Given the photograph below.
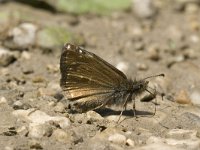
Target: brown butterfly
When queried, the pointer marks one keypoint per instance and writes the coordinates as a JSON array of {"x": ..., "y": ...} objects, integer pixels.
[{"x": 91, "y": 83}]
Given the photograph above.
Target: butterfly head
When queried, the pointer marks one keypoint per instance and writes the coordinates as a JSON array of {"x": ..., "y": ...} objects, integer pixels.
[{"x": 140, "y": 86}]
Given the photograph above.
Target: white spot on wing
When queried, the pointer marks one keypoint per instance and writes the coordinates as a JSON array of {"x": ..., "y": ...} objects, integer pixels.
[
  {"x": 80, "y": 51},
  {"x": 90, "y": 56},
  {"x": 72, "y": 95},
  {"x": 68, "y": 46}
]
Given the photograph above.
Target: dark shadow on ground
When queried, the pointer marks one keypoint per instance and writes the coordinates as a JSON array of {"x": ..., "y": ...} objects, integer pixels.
[
  {"x": 38, "y": 4},
  {"x": 107, "y": 112}
]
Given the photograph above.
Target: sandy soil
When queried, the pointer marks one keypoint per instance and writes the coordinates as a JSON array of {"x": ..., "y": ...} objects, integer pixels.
[{"x": 34, "y": 113}]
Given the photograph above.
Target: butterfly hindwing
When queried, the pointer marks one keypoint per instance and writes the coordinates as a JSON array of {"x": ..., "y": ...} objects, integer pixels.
[{"x": 86, "y": 79}]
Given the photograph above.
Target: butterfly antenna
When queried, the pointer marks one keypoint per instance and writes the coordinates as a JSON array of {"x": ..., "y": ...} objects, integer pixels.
[{"x": 158, "y": 75}]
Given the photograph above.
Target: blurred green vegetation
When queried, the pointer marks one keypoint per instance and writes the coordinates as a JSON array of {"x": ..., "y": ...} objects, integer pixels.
[
  {"x": 102, "y": 7},
  {"x": 54, "y": 36}
]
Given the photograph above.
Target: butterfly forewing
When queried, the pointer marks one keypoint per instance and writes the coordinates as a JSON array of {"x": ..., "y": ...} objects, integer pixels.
[{"x": 86, "y": 78}]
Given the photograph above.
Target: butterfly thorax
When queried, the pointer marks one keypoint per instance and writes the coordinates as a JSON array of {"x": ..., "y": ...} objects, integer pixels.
[{"x": 139, "y": 86}]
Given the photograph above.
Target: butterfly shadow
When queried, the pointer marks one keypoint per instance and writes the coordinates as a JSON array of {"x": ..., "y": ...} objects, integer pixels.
[{"x": 104, "y": 112}]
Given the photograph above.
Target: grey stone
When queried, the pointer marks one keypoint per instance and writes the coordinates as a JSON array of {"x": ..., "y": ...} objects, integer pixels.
[
  {"x": 39, "y": 130},
  {"x": 22, "y": 36},
  {"x": 62, "y": 136},
  {"x": 6, "y": 57},
  {"x": 144, "y": 8}
]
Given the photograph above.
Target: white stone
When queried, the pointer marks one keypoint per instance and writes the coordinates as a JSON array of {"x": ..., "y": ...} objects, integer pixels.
[
  {"x": 62, "y": 121},
  {"x": 195, "y": 98},
  {"x": 157, "y": 146},
  {"x": 117, "y": 138},
  {"x": 144, "y": 8},
  {"x": 154, "y": 139},
  {"x": 130, "y": 142},
  {"x": 115, "y": 118},
  {"x": 39, "y": 117},
  {"x": 94, "y": 115},
  {"x": 3, "y": 100},
  {"x": 177, "y": 132},
  {"x": 24, "y": 35},
  {"x": 26, "y": 55},
  {"x": 8, "y": 148},
  {"x": 194, "y": 38},
  {"x": 35, "y": 131},
  {"x": 39, "y": 130},
  {"x": 60, "y": 107},
  {"x": 21, "y": 129},
  {"x": 191, "y": 142},
  {"x": 61, "y": 136}
]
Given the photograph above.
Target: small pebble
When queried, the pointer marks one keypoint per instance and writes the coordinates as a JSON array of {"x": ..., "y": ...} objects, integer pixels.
[
  {"x": 115, "y": 146},
  {"x": 180, "y": 133},
  {"x": 194, "y": 38},
  {"x": 136, "y": 32},
  {"x": 3, "y": 100},
  {"x": 153, "y": 52},
  {"x": 39, "y": 117},
  {"x": 60, "y": 107},
  {"x": 6, "y": 57},
  {"x": 45, "y": 92},
  {"x": 62, "y": 136},
  {"x": 182, "y": 97},
  {"x": 195, "y": 26},
  {"x": 54, "y": 85},
  {"x": 53, "y": 68},
  {"x": 39, "y": 130},
  {"x": 142, "y": 66},
  {"x": 27, "y": 70},
  {"x": 144, "y": 8},
  {"x": 130, "y": 142},
  {"x": 62, "y": 121},
  {"x": 93, "y": 115},
  {"x": 115, "y": 117},
  {"x": 139, "y": 45},
  {"x": 191, "y": 8},
  {"x": 190, "y": 54},
  {"x": 19, "y": 105},
  {"x": 22, "y": 130},
  {"x": 9, "y": 148},
  {"x": 175, "y": 35},
  {"x": 117, "y": 138},
  {"x": 35, "y": 144},
  {"x": 195, "y": 98},
  {"x": 22, "y": 36},
  {"x": 198, "y": 133},
  {"x": 26, "y": 55},
  {"x": 38, "y": 79}
]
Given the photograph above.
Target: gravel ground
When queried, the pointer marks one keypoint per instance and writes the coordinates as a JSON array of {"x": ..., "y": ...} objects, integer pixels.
[{"x": 163, "y": 38}]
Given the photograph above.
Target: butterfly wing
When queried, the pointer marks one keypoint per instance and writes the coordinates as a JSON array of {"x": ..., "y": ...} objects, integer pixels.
[{"x": 86, "y": 79}]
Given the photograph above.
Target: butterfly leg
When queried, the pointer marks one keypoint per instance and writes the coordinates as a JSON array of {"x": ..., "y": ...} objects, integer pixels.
[
  {"x": 102, "y": 105},
  {"x": 134, "y": 110},
  {"x": 153, "y": 96},
  {"x": 124, "y": 106}
]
